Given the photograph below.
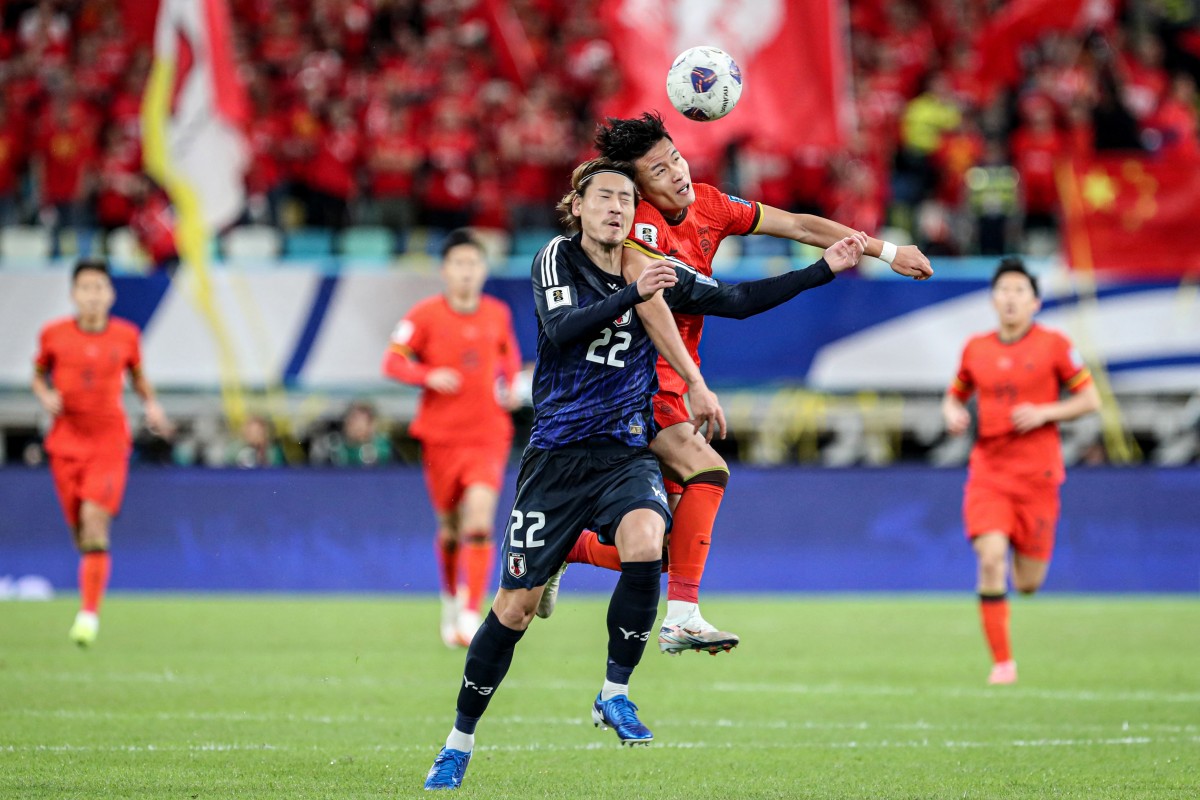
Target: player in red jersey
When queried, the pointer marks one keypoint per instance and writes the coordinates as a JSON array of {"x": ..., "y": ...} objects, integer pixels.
[
  {"x": 688, "y": 221},
  {"x": 457, "y": 345},
  {"x": 78, "y": 379},
  {"x": 1011, "y": 495}
]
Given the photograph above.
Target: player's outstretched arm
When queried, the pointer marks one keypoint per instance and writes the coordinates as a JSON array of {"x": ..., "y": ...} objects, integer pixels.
[
  {"x": 699, "y": 294},
  {"x": 660, "y": 325},
  {"x": 821, "y": 232}
]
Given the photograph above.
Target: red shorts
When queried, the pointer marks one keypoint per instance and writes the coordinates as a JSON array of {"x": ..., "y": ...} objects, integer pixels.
[
  {"x": 98, "y": 479},
  {"x": 670, "y": 409},
  {"x": 1028, "y": 513},
  {"x": 451, "y": 468}
]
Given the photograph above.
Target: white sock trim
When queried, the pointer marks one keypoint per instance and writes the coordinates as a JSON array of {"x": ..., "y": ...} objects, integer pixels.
[
  {"x": 610, "y": 690},
  {"x": 457, "y": 740},
  {"x": 679, "y": 610}
]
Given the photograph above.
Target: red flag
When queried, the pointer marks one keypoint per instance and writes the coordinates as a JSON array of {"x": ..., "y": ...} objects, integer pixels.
[
  {"x": 791, "y": 53},
  {"x": 1131, "y": 216},
  {"x": 1023, "y": 22}
]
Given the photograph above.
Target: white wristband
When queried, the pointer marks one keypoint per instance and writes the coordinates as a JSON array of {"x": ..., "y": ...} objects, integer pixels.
[{"x": 888, "y": 253}]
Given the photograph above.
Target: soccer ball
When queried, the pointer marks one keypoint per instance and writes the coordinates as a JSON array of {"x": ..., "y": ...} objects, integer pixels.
[{"x": 704, "y": 83}]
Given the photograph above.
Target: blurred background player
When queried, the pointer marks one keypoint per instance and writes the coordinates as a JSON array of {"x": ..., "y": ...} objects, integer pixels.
[
  {"x": 461, "y": 348},
  {"x": 1011, "y": 499},
  {"x": 689, "y": 221},
  {"x": 78, "y": 379}
]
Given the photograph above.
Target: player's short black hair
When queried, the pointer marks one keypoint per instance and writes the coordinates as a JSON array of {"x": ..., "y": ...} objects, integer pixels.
[
  {"x": 93, "y": 264},
  {"x": 457, "y": 237},
  {"x": 1014, "y": 264},
  {"x": 630, "y": 139}
]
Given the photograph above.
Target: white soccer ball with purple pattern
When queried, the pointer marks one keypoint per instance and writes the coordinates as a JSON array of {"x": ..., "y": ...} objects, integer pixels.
[{"x": 704, "y": 83}]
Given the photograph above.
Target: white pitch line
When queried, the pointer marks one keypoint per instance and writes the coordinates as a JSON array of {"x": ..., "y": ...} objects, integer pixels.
[
  {"x": 1143, "y": 696},
  {"x": 1008, "y": 692},
  {"x": 608, "y": 744},
  {"x": 581, "y": 721}
]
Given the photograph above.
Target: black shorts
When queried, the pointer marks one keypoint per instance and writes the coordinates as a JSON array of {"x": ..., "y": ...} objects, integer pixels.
[{"x": 562, "y": 492}]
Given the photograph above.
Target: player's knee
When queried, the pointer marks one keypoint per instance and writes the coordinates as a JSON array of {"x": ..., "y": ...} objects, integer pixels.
[
  {"x": 517, "y": 612},
  {"x": 992, "y": 568},
  {"x": 93, "y": 543},
  {"x": 1026, "y": 585},
  {"x": 477, "y": 537}
]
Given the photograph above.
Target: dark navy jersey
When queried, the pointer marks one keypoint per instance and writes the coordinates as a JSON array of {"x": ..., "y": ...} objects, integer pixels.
[{"x": 595, "y": 374}]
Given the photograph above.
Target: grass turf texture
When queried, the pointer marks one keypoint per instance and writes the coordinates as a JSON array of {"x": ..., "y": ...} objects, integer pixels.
[{"x": 884, "y": 697}]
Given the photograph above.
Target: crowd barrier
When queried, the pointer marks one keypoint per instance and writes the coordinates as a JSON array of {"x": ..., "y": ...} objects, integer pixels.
[{"x": 780, "y": 530}]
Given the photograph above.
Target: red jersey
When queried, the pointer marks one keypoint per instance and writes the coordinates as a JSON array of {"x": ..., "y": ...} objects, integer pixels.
[
  {"x": 88, "y": 370},
  {"x": 694, "y": 241},
  {"x": 1033, "y": 369},
  {"x": 482, "y": 346}
]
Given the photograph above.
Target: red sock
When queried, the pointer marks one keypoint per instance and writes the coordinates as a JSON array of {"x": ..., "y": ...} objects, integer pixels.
[
  {"x": 446, "y": 551},
  {"x": 993, "y": 610},
  {"x": 94, "y": 568},
  {"x": 478, "y": 556},
  {"x": 691, "y": 533},
  {"x": 589, "y": 550}
]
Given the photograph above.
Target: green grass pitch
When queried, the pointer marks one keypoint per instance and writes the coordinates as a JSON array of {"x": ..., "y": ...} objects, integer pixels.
[{"x": 828, "y": 697}]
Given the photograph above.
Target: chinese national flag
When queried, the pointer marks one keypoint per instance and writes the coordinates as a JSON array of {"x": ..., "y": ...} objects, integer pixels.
[
  {"x": 791, "y": 54},
  {"x": 1131, "y": 216}
]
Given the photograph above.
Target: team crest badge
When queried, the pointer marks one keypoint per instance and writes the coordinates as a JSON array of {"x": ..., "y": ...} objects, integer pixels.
[
  {"x": 623, "y": 320},
  {"x": 516, "y": 565}
]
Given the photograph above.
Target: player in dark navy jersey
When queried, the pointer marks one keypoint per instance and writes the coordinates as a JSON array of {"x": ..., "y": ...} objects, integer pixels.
[{"x": 588, "y": 463}]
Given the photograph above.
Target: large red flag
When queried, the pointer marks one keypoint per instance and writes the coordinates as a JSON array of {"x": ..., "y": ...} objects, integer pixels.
[
  {"x": 1129, "y": 215},
  {"x": 791, "y": 53},
  {"x": 1023, "y": 22}
]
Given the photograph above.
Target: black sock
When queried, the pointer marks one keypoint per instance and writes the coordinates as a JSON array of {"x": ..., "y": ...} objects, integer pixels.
[
  {"x": 488, "y": 657},
  {"x": 631, "y": 615}
]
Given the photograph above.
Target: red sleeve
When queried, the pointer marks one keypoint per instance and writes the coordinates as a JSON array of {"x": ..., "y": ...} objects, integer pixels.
[
  {"x": 402, "y": 361},
  {"x": 44, "y": 361},
  {"x": 135, "y": 350},
  {"x": 964, "y": 383},
  {"x": 1069, "y": 366},
  {"x": 740, "y": 216}
]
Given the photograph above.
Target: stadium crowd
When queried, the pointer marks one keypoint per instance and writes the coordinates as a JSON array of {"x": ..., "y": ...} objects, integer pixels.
[{"x": 395, "y": 113}]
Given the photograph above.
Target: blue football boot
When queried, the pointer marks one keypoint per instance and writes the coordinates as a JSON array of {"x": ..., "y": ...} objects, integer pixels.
[
  {"x": 448, "y": 769},
  {"x": 621, "y": 715}
]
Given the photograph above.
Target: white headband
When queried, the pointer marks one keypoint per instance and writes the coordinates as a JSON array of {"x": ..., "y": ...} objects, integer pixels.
[{"x": 602, "y": 172}]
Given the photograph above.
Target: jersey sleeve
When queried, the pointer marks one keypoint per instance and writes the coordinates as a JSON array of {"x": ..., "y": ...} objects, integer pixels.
[
  {"x": 43, "y": 362},
  {"x": 738, "y": 217},
  {"x": 700, "y": 294},
  {"x": 556, "y": 296},
  {"x": 134, "y": 365},
  {"x": 1069, "y": 367},
  {"x": 402, "y": 362},
  {"x": 963, "y": 385}
]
